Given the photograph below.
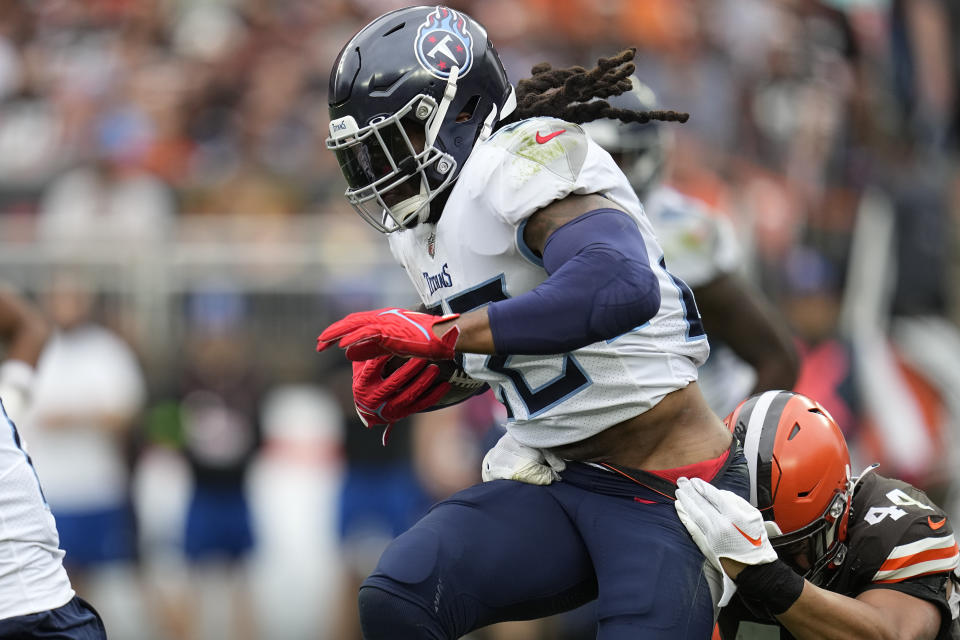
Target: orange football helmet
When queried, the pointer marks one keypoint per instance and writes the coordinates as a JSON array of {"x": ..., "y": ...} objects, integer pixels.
[{"x": 799, "y": 477}]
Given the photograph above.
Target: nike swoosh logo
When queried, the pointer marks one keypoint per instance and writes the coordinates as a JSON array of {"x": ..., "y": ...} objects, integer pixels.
[
  {"x": 550, "y": 136},
  {"x": 936, "y": 525},
  {"x": 754, "y": 541}
]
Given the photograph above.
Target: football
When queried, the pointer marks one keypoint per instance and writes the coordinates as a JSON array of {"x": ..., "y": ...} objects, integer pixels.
[{"x": 462, "y": 386}]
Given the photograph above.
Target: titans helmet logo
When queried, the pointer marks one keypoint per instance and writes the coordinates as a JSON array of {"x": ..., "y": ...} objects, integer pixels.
[{"x": 443, "y": 42}]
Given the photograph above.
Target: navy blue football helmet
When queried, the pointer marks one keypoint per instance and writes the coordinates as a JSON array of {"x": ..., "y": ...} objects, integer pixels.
[
  {"x": 639, "y": 148},
  {"x": 410, "y": 96}
]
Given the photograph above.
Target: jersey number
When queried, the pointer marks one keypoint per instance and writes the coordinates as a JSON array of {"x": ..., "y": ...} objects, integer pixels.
[
  {"x": 899, "y": 499},
  {"x": 572, "y": 377},
  {"x": 690, "y": 312},
  {"x": 877, "y": 514}
]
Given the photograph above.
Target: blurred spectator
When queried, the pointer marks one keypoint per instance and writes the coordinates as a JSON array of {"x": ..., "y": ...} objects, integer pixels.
[
  {"x": 32, "y": 128},
  {"x": 88, "y": 394},
  {"x": 921, "y": 175},
  {"x": 219, "y": 417},
  {"x": 295, "y": 486},
  {"x": 811, "y": 301},
  {"x": 248, "y": 189},
  {"x": 111, "y": 200},
  {"x": 23, "y": 333},
  {"x": 925, "y": 68},
  {"x": 902, "y": 426}
]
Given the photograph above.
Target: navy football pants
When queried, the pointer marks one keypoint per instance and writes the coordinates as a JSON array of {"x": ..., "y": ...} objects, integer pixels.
[
  {"x": 505, "y": 550},
  {"x": 76, "y": 620}
]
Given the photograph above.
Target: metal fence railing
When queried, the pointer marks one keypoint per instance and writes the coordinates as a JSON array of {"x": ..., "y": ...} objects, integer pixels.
[{"x": 290, "y": 275}]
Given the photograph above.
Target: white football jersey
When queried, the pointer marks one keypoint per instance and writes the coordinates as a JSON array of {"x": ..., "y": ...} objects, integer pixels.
[
  {"x": 32, "y": 577},
  {"x": 476, "y": 255},
  {"x": 700, "y": 247}
]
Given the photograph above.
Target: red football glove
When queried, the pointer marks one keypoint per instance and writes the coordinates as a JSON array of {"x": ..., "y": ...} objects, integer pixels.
[
  {"x": 369, "y": 334},
  {"x": 406, "y": 391}
]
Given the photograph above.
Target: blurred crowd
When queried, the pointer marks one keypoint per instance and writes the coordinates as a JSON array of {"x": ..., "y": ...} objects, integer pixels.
[{"x": 224, "y": 477}]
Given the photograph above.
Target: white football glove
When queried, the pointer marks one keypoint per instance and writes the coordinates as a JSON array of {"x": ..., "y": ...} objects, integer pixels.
[
  {"x": 510, "y": 460},
  {"x": 723, "y": 525}
]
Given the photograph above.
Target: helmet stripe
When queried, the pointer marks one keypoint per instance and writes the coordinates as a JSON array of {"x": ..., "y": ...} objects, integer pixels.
[
  {"x": 766, "y": 492},
  {"x": 751, "y": 439}
]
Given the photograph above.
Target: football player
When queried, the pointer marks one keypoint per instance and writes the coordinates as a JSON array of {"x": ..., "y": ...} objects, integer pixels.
[
  {"x": 817, "y": 553},
  {"x": 750, "y": 349},
  {"x": 36, "y": 598},
  {"x": 529, "y": 242}
]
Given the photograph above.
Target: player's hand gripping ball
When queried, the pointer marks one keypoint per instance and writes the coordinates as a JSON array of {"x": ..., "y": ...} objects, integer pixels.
[
  {"x": 389, "y": 388},
  {"x": 461, "y": 384}
]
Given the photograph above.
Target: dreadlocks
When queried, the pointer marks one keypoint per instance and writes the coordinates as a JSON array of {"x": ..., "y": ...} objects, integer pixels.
[{"x": 576, "y": 95}]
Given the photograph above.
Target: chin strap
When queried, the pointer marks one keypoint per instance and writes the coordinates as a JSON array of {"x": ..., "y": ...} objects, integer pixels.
[
  {"x": 448, "y": 94},
  {"x": 853, "y": 482},
  {"x": 420, "y": 202},
  {"x": 488, "y": 123},
  {"x": 508, "y": 106}
]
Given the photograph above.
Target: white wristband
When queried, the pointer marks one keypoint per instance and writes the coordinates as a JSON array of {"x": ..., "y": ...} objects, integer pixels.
[
  {"x": 16, "y": 380},
  {"x": 16, "y": 373}
]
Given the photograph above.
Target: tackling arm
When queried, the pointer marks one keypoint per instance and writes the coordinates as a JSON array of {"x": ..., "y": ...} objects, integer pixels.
[
  {"x": 881, "y": 614},
  {"x": 731, "y": 534}
]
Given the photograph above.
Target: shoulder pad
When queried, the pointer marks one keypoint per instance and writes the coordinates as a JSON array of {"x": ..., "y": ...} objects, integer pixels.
[
  {"x": 557, "y": 145},
  {"x": 529, "y": 164}
]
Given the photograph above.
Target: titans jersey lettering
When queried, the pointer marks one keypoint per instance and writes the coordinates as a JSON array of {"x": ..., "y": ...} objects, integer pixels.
[
  {"x": 479, "y": 256},
  {"x": 438, "y": 280}
]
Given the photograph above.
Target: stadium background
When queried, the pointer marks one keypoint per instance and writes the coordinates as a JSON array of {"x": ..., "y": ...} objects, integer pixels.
[{"x": 166, "y": 158}]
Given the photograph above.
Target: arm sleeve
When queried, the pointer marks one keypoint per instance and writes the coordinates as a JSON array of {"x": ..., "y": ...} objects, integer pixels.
[
  {"x": 932, "y": 588},
  {"x": 600, "y": 285}
]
